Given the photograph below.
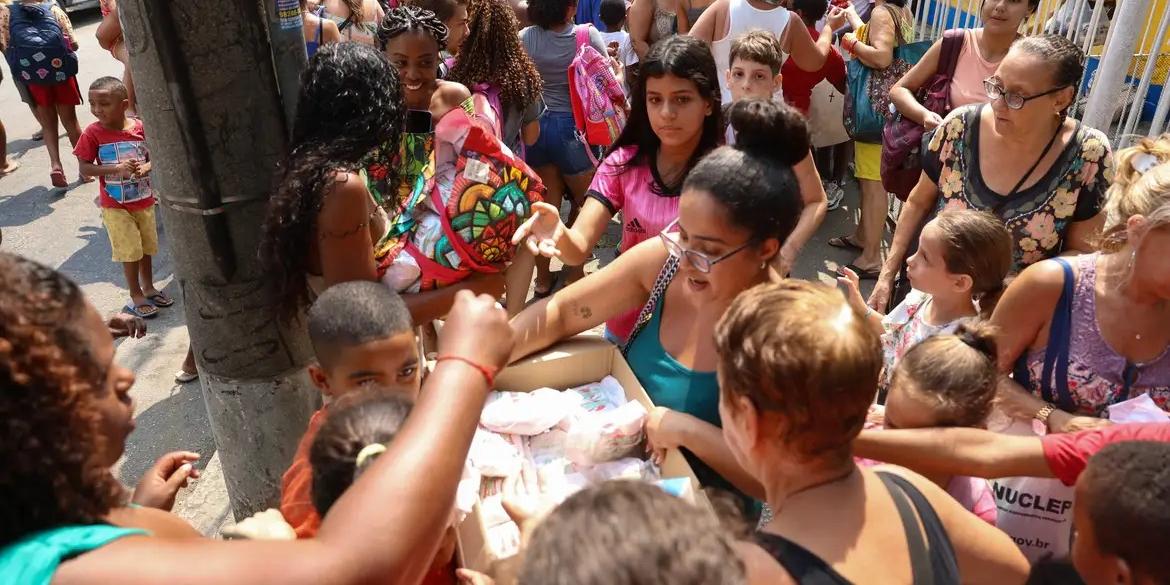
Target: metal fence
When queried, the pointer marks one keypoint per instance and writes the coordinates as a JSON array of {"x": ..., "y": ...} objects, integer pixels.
[{"x": 1124, "y": 92}]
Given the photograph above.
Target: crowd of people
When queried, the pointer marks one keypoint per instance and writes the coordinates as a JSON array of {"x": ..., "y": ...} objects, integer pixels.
[{"x": 975, "y": 419}]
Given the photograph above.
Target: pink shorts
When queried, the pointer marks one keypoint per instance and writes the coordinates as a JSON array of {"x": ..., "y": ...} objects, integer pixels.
[{"x": 65, "y": 93}]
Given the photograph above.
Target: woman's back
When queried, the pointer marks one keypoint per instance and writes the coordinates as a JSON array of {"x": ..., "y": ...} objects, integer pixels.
[
  {"x": 360, "y": 30},
  {"x": 552, "y": 51}
]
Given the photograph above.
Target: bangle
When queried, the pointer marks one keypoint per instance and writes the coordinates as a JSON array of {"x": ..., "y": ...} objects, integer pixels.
[{"x": 489, "y": 374}]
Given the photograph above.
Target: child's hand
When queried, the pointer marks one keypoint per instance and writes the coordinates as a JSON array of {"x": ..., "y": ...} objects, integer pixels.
[
  {"x": 542, "y": 232},
  {"x": 125, "y": 169},
  {"x": 852, "y": 284},
  {"x": 141, "y": 169},
  {"x": 170, "y": 473}
]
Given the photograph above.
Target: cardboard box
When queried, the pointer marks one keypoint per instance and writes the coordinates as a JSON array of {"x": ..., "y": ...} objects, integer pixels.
[{"x": 570, "y": 363}]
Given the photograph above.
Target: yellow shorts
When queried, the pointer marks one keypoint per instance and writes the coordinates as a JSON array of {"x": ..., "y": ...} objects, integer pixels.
[
  {"x": 867, "y": 158},
  {"x": 133, "y": 234}
]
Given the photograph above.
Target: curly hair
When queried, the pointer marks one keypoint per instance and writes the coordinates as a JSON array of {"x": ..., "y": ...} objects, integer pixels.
[
  {"x": 406, "y": 19},
  {"x": 50, "y": 430},
  {"x": 492, "y": 53},
  {"x": 349, "y": 106}
]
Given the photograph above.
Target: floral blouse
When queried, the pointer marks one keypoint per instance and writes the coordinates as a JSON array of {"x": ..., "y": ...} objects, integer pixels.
[{"x": 1038, "y": 217}]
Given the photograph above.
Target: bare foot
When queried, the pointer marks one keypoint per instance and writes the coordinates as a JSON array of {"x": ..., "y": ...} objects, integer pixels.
[
  {"x": 9, "y": 166},
  {"x": 84, "y": 179}
]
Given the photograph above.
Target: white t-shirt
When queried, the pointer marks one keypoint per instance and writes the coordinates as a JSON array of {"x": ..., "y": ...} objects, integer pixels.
[{"x": 626, "y": 52}]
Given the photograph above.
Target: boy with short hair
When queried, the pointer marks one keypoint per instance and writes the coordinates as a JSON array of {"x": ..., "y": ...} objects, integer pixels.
[
  {"x": 754, "y": 73},
  {"x": 362, "y": 335},
  {"x": 453, "y": 13},
  {"x": 114, "y": 149},
  {"x": 1121, "y": 515},
  {"x": 613, "y": 16}
]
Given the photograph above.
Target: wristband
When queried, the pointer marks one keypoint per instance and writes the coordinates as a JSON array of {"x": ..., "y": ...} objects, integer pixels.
[{"x": 489, "y": 374}]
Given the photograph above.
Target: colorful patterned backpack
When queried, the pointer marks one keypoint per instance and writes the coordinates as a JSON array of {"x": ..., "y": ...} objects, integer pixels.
[
  {"x": 38, "y": 52},
  {"x": 599, "y": 104}
]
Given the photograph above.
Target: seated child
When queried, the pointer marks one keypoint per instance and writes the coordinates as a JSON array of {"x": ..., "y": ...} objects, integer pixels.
[
  {"x": 756, "y": 58},
  {"x": 361, "y": 333},
  {"x": 962, "y": 258},
  {"x": 948, "y": 381},
  {"x": 356, "y": 433},
  {"x": 463, "y": 193}
]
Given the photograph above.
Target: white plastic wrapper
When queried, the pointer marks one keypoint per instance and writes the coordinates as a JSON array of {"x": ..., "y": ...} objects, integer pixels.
[
  {"x": 493, "y": 455},
  {"x": 607, "y": 394},
  {"x": 606, "y": 435},
  {"x": 524, "y": 413},
  {"x": 467, "y": 493},
  {"x": 626, "y": 468}
]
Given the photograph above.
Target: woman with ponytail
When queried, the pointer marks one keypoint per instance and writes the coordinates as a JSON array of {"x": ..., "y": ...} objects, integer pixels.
[
  {"x": 356, "y": 20},
  {"x": 1110, "y": 309},
  {"x": 736, "y": 208}
]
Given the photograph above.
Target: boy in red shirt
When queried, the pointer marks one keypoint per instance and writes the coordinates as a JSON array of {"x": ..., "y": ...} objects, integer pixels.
[{"x": 114, "y": 149}]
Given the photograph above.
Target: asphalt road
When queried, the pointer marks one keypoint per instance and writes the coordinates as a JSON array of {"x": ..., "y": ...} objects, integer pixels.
[{"x": 62, "y": 228}]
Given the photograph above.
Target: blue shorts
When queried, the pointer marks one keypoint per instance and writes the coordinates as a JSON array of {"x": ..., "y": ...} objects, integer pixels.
[{"x": 558, "y": 145}]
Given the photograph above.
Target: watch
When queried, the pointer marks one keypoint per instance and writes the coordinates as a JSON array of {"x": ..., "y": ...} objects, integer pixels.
[{"x": 1040, "y": 419}]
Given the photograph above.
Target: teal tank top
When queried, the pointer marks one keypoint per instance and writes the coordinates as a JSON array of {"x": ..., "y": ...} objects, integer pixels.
[{"x": 33, "y": 559}]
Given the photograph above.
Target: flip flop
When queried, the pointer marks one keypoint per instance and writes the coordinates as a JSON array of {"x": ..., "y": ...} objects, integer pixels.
[
  {"x": 862, "y": 274},
  {"x": 160, "y": 300},
  {"x": 147, "y": 311},
  {"x": 537, "y": 294},
  {"x": 845, "y": 243},
  {"x": 182, "y": 377},
  {"x": 59, "y": 180}
]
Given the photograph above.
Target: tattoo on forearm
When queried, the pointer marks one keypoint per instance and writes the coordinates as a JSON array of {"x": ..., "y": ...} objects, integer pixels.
[{"x": 579, "y": 310}]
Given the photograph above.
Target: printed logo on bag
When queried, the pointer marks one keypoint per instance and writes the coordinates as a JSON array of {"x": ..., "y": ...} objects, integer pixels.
[{"x": 1035, "y": 512}]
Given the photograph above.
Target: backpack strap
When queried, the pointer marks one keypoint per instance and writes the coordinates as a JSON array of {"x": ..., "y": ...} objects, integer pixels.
[
  {"x": 660, "y": 285},
  {"x": 582, "y": 34},
  {"x": 934, "y": 563}
]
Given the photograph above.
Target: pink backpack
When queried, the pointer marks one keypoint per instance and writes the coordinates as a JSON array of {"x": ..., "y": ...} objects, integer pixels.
[{"x": 599, "y": 103}]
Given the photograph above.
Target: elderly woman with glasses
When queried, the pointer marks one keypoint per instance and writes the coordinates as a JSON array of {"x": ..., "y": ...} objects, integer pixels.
[
  {"x": 1020, "y": 157},
  {"x": 737, "y": 206}
]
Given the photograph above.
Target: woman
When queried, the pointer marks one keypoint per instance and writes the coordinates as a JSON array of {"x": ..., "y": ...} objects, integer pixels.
[
  {"x": 798, "y": 370},
  {"x": 67, "y": 410},
  {"x": 494, "y": 62},
  {"x": 689, "y": 13},
  {"x": 1117, "y": 336},
  {"x": 890, "y": 25},
  {"x": 1020, "y": 157},
  {"x": 737, "y": 206},
  {"x": 356, "y": 20},
  {"x": 318, "y": 31},
  {"x": 559, "y": 157},
  {"x": 651, "y": 21},
  {"x": 322, "y": 221},
  {"x": 983, "y": 49}
]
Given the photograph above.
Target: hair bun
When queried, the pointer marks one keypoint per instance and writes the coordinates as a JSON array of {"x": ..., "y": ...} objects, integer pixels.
[
  {"x": 769, "y": 129},
  {"x": 979, "y": 335}
]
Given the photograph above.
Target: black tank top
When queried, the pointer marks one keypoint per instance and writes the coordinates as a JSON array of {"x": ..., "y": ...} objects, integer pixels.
[{"x": 932, "y": 562}]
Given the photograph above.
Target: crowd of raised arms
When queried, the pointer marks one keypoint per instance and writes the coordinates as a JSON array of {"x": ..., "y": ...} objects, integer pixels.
[{"x": 453, "y": 165}]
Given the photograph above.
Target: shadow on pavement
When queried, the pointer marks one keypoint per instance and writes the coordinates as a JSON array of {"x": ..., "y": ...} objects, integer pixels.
[
  {"x": 28, "y": 206},
  {"x": 92, "y": 263},
  {"x": 176, "y": 423}
]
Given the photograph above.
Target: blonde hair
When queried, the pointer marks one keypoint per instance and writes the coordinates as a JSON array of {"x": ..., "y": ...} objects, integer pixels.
[{"x": 1138, "y": 189}]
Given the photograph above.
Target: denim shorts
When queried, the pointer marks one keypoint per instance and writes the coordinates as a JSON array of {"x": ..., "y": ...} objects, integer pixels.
[{"x": 558, "y": 145}]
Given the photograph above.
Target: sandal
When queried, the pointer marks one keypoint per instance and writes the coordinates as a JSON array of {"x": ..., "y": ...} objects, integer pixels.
[
  {"x": 182, "y": 377},
  {"x": 160, "y": 300},
  {"x": 862, "y": 274},
  {"x": 845, "y": 242},
  {"x": 58, "y": 178},
  {"x": 145, "y": 311},
  {"x": 9, "y": 168},
  {"x": 540, "y": 294}
]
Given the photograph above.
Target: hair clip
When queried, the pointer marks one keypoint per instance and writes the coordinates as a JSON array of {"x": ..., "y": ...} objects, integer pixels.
[
  {"x": 1145, "y": 161},
  {"x": 367, "y": 452}
]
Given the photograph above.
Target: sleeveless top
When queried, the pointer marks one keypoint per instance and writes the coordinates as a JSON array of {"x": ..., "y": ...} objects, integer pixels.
[
  {"x": 932, "y": 562},
  {"x": 1098, "y": 376},
  {"x": 743, "y": 17},
  {"x": 665, "y": 24},
  {"x": 1038, "y": 217},
  {"x": 34, "y": 559},
  {"x": 312, "y": 46},
  {"x": 365, "y": 32},
  {"x": 970, "y": 71}
]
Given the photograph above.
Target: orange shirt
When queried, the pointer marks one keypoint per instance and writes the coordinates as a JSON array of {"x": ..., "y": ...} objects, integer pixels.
[{"x": 296, "y": 486}]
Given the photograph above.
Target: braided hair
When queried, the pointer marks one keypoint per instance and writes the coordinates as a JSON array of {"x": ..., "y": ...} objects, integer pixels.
[
  {"x": 492, "y": 54},
  {"x": 350, "y": 104},
  {"x": 406, "y": 19}
]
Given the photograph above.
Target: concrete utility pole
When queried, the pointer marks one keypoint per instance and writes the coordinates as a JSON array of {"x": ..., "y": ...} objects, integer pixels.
[
  {"x": 1128, "y": 25},
  {"x": 216, "y": 126}
]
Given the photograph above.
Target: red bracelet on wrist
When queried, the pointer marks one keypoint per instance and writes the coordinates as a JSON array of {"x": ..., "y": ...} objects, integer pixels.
[{"x": 489, "y": 373}]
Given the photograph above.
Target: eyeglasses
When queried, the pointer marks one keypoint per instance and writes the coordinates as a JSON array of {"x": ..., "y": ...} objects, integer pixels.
[
  {"x": 699, "y": 260},
  {"x": 994, "y": 88}
]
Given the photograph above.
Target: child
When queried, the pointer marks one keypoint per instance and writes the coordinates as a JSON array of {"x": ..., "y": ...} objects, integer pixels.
[
  {"x": 114, "y": 149},
  {"x": 948, "y": 381},
  {"x": 963, "y": 258},
  {"x": 798, "y": 87},
  {"x": 356, "y": 433},
  {"x": 613, "y": 15},
  {"x": 643, "y": 174},
  {"x": 42, "y": 56},
  {"x": 467, "y": 192},
  {"x": 1120, "y": 514},
  {"x": 362, "y": 336},
  {"x": 755, "y": 60}
]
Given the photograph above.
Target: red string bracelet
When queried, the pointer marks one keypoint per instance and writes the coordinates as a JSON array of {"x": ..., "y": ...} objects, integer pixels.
[{"x": 489, "y": 374}]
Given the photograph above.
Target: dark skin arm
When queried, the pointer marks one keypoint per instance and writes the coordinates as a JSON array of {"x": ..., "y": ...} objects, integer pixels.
[
  {"x": 383, "y": 530},
  {"x": 434, "y": 304},
  {"x": 343, "y": 233}
]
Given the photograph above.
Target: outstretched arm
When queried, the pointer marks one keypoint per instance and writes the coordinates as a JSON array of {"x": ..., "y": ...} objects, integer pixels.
[{"x": 955, "y": 451}]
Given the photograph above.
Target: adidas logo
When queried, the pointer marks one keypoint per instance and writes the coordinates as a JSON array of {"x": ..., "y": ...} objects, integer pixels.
[{"x": 635, "y": 227}]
